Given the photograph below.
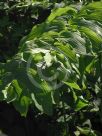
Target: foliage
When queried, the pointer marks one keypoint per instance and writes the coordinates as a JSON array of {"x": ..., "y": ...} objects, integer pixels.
[
  {"x": 16, "y": 20},
  {"x": 58, "y": 69}
]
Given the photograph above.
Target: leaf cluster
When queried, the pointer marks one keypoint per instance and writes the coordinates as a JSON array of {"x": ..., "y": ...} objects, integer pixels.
[{"x": 58, "y": 69}]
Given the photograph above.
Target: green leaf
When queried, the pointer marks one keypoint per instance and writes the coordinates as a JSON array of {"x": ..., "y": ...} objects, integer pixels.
[
  {"x": 66, "y": 50},
  {"x": 9, "y": 93},
  {"x": 12, "y": 91},
  {"x": 95, "y": 16},
  {"x": 92, "y": 35},
  {"x": 75, "y": 39},
  {"x": 59, "y": 12},
  {"x": 73, "y": 85},
  {"x": 43, "y": 102},
  {"x": 86, "y": 131},
  {"x": 80, "y": 103},
  {"x": 38, "y": 106},
  {"x": 94, "y": 5},
  {"x": 85, "y": 63},
  {"x": 22, "y": 105},
  {"x": 90, "y": 67},
  {"x": 36, "y": 32},
  {"x": 17, "y": 87}
]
